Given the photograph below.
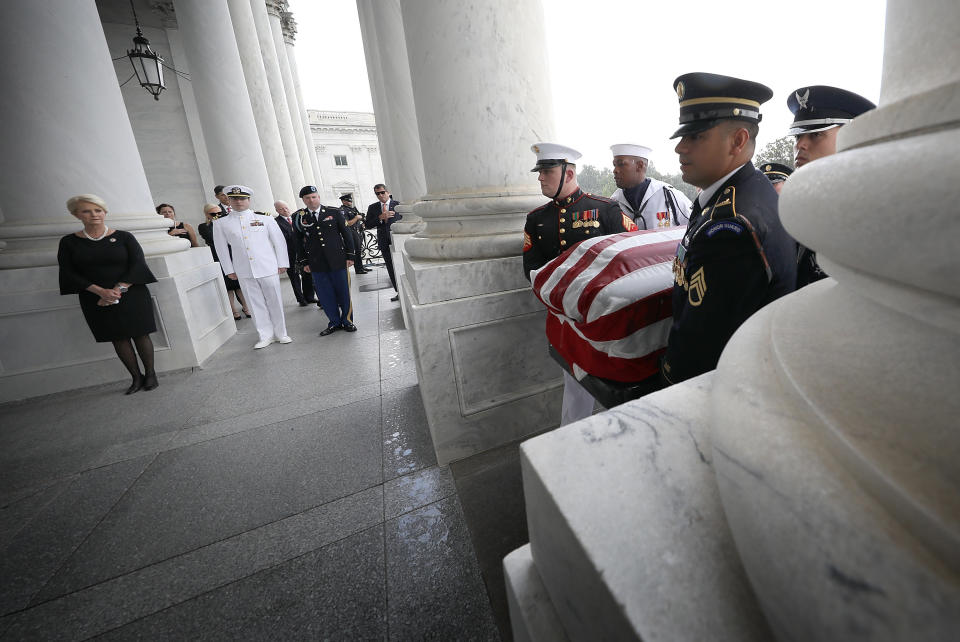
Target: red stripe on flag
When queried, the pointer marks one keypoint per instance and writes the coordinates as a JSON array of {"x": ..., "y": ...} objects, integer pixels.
[
  {"x": 556, "y": 296},
  {"x": 630, "y": 319},
  {"x": 630, "y": 260},
  {"x": 599, "y": 364}
]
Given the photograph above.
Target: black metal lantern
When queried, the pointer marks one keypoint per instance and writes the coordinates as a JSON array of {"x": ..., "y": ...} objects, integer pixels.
[{"x": 147, "y": 64}]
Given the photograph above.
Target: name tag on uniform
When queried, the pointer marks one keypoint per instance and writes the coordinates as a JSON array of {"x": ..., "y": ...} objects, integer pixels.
[{"x": 255, "y": 223}]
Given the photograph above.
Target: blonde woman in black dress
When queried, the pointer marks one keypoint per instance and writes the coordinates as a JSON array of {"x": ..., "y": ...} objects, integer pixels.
[{"x": 107, "y": 269}]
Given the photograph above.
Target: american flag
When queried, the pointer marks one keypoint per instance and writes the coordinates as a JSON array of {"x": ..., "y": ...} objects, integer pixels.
[{"x": 609, "y": 303}]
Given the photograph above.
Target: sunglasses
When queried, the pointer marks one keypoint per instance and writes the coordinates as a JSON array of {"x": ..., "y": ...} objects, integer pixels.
[{"x": 379, "y": 193}]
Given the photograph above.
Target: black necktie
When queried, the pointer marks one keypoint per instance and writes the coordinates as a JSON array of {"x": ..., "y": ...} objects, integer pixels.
[{"x": 696, "y": 209}]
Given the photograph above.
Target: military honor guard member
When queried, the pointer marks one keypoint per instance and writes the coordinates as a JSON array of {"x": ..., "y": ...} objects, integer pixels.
[
  {"x": 818, "y": 113},
  {"x": 571, "y": 216},
  {"x": 735, "y": 256},
  {"x": 354, "y": 221},
  {"x": 251, "y": 248},
  {"x": 329, "y": 251},
  {"x": 776, "y": 173},
  {"x": 651, "y": 203},
  {"x": 301, "y": 282}
]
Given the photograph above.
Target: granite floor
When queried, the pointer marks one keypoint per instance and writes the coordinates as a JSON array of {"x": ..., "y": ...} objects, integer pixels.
[{"x": 284, "y": 493}]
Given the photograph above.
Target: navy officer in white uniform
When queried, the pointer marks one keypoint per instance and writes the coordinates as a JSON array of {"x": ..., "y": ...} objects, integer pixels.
[
  {"x": 651, "y": 203},
  {"x": 252, "y": 249}
]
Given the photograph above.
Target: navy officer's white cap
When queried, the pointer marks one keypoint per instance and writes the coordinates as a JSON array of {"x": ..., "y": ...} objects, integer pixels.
[
  {"x": 552, "y": 154},
  {"x": 238, "y": 191},
  {"x": 630, "y": 149}
]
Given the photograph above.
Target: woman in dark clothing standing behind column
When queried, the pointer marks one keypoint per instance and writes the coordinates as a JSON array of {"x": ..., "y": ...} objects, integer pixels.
[{"x": 107, "y": 269}]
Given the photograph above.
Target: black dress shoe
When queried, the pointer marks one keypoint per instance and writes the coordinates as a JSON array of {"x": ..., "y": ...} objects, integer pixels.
[
  {"x": 302, "y": 304},
  {"x": 395, "y": 297},
  {"x": 349, "y": 327},
  {"x": 136, "y": 385},
  {"x": 150, "y": 381},
  {"x": 330, "y": 330}
]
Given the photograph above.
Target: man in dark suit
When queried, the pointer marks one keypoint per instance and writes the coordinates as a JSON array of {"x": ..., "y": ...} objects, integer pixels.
[
  {"x": 736, "y": 257},
  {"x": 382, "y": 215},
  {"x": 328, "y": 247},
  {"x": 301, "y": 283}
]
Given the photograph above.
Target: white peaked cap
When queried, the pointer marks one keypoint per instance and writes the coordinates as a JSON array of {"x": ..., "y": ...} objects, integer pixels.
[{"x": 629, "y": 149}]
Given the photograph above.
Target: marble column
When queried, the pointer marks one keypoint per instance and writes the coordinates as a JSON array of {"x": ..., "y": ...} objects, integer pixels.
[
  {"x": 271, "y": 64},
  {"x": 226, "y": 114},
  {"x": 366, "y": 9},
  {"x": 66, "y": 131},
  {"x": 478, "y": 331},
  {"x": 47, "y": 156},
  {"x": 289, "y": 27},
  {"x": 263, "y": 112},
  {"x": 275, "y": 9}
]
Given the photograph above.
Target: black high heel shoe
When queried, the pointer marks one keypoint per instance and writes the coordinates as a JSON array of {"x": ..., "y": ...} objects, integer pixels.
[
  {"x": 246, "y": 314},
  {"x": 150, "y": 381},
  {"x": 136, "y": 385}
]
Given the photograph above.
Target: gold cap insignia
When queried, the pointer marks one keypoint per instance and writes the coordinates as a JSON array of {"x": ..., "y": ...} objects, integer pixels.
[
  {"x": 536, "y": 149},
  {"x": 680, "y": 90}
]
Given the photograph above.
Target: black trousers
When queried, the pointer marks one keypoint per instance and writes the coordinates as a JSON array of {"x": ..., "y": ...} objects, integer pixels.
[
  {"x": 358, "y": 244},
  {"x": 302, "y": 285},
  {"x": 388, "y": 259}
]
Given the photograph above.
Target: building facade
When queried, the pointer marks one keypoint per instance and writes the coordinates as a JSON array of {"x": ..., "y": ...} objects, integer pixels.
[{"x": 348, "y": 154}]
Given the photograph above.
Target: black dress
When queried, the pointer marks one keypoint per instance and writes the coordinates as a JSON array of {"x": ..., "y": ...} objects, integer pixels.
[
  {"x": 116, "y": 258},
  {"x": 205, "y": 230}
]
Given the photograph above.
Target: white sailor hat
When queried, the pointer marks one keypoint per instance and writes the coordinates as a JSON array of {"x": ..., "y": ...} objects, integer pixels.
[
  {"x": 629, "y": 149},
  {"x": 238, "y": 191},
  {"x": 551, "y": 154}
]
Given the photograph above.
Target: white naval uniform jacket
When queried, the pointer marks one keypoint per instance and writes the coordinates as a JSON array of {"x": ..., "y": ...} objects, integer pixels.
[
  {"x": 259, "y": 248},
  {"x": 654, "y": 200}
]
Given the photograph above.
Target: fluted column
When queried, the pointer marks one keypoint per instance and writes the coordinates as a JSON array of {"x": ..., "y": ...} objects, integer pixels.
[
  {"x": 835, "y": 408},
  {"x": 289, "y": 26},
  {"x": 259, "y": 88},
  {"x": 477, "y": 116},
  {"x": 275, "y": 9},
  {"x": 226, "y": 114},
  {"x": 278, "y": 95},
  {"x": 398, "y": 115},
  {"x": 65, "y": 131}
]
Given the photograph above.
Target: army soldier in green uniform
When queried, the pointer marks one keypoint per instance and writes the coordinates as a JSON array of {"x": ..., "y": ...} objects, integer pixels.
[{"x": 735, "y": 256}]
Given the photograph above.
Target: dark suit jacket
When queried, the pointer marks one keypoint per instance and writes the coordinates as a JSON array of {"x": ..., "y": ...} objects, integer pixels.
[
  {"x": 383, "y": 227},
  {"x": 326, "y": 243},
  {"x": 290, "y": 236},
  {"x": 735, "y": 258}
]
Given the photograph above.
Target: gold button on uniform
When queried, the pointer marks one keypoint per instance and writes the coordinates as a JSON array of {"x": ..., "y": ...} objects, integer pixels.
[
  {"x": 563, "y": 242},
  {"x": 563, "y": 220},
  {"x": 563, "y": 211},
  {"x": 562, "y": 230}
]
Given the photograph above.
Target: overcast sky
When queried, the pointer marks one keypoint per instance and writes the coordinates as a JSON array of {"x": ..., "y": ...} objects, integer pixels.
[{"x": 613, "y": 62}]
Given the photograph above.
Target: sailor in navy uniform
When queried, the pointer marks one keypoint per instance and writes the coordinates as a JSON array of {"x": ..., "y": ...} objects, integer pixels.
[
  {"x": 328, "y": 248},
  {"x": 818, "y": 113},
  {"x": 571, "y": 216},
  {"x": 735, "y": 256},
  {"x": 251, "y": 249},
  {"x": 776, "y": 173}
]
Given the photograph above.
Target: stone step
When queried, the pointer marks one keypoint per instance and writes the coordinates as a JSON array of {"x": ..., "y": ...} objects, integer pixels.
[
  {"x": 527, "y": 596},
  {"x": 627, "y": 532}
]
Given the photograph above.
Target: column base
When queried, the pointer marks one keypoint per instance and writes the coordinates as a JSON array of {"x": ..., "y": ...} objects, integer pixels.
[
  {"x": 47, "y": 346},
  {"x": 479, "y": 340}
]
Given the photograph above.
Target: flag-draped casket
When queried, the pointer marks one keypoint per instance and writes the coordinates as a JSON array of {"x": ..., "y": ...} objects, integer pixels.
[{"x": 609, "y": 303}]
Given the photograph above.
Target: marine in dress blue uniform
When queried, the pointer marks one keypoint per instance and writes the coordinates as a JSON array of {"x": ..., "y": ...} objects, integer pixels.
[
  {"x": 818, "y": 111},
  {"x": 735, "y": 256},
  {"x": 327, "y": 246},
  {"x": 570, "y": 216}
]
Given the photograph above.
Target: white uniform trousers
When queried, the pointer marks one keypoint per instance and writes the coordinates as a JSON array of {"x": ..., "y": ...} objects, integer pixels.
[
  {"x": 266, "y": 305},
  {"x": 577, "y": 402}
]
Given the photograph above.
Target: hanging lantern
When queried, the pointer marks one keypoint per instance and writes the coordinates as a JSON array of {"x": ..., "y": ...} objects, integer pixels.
[{"x": 147, "y": 64}]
